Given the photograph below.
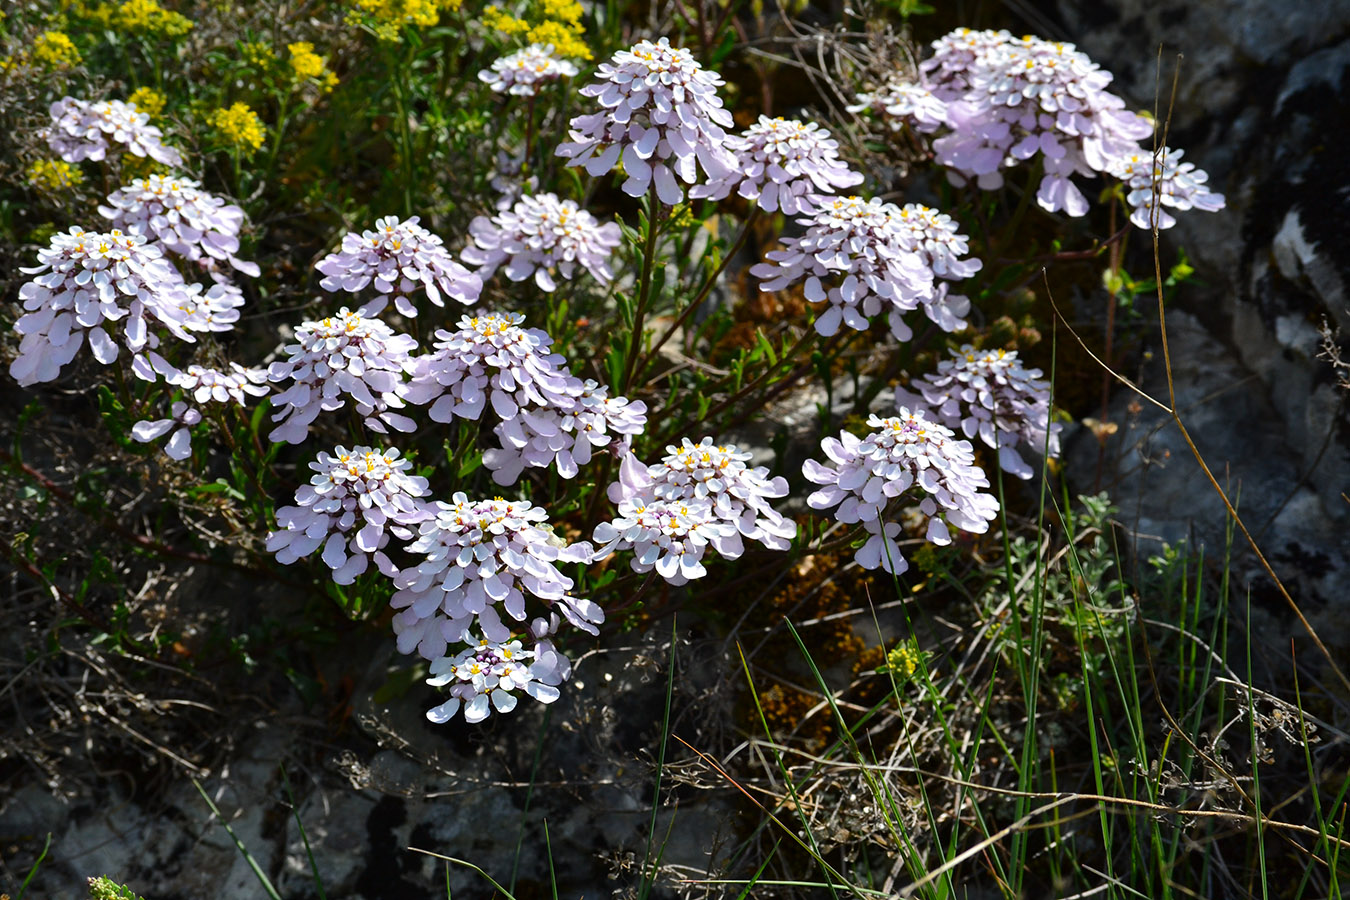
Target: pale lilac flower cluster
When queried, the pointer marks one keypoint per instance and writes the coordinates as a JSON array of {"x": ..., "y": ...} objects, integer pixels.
[
  {"x": 661, "y": 115},
  {"x": 525, "y": 72},
  {"x": 902, "y": 103},
  {"x": 399, "y": 259},
  {"x": 1180, "y": 186},
  {"x": 186, "y": 220},
  {"x": 356, "y": 499},
  {"x": 669, "y": 536},
  {"x": 214, "y": 386},
  {"x": 491, "y": 360},
  {"x": 542, "y": 236},
  {"x": 509, "y": 181},
  {"x": 868, "y": 256},
  {"x": 988, "y": 393},
  {"x": 346, "y": 354},
  {"x": 88, "y": 283},
  {"x": 901, "y": 452},
  {"x": 481, "y": 555},
  {"x": 202, "y": 385},
  {"x": 1011, "y": 99},
  {"x": 565, "y": 436},
  {"x": 83, "y": 130},
  {"x": 496, "y": 670},
  {"x": 781, "y": 164},
  {"x": 181, "y": 419},
  {"x": 717, "y": 474},
  {"x": 214, "y": 308}
]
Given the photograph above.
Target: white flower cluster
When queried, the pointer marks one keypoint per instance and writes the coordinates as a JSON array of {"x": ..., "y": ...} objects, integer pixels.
[
  {"x": 186, "y": 220},
  {"x": 83, "y": 130},
  {"x": 868, "y": 256},
  {"x": 542, "y": 236},
  {"x": 669, "y": 536},
  {"x": 1180, "y": 185},
  {"x": 781, "y": 164},
  {"x": 479, "y": 556},
  {"x": 346, "y": 354},
  {"x": 490, "y": 359},
  {"x": 547, "y": 414},
  {"x": 988, "y": 393},
  {"x": 565, "y": 436},
  {"x": 525, "y": 72},
  {"x": 354, "y": 501},
  {"x": 660, "y": 115},
  {"x": 202, "y": 385},
  {"x": 699, "y": 495},
  {"x": 900, "y": 103},
  {"x": 1004, "y": 100},
  {"x": 901, "y": 452},
  {"x": 399, "y": 259},
  {"x": 496, "y": 670},
  {"x": 88, "y": 283}
]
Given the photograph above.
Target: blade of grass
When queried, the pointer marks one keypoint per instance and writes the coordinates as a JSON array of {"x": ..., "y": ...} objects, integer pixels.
[
  {"x": 648, "y": 874},
  {"x": 248, "y": 857},
  {"x": 33, "y": 871},
  {"x": 468, "y": 865},
  {"x": 295, "y": 810}
]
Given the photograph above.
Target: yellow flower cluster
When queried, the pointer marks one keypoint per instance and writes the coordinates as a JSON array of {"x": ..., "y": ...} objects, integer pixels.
[
  {"x": 55, "y": 50},
  {"x": 904, "y": 661},
  {"x": 306, "y": 64},
  {"x": 148, "y": 100},
  {"x": 239, "y": 125},
  {"x": 136, "y": 17},
  {"x": 52, "y": 175},
  {"x": 387, "y": 16},
  {"x": 257, "y": 54},
  {"x": 556, "y": 22}
]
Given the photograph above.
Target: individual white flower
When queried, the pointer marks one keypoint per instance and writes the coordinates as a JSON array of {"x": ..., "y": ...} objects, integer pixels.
[
  {"x": 82, "y": 130},
  {"x": 988, "y": 393},
  {"x": 660, "y": 114},
  {"x": 718, "y": 474},
  {"x": 491, "y": 360},
  {"x": 399, "y": 259},
  {"x": 182, "y": 418},
  {"x": 565, "y": 436},
  {"x": 902, "y": 452},
  {"x": 525, "y": 72},
  {"x": 356, "y": 499},
  {"x": 669, "y": 536},
  {"x": 110, "y": 290},
  {"x": 479, "y": 556},
  {"x": 900, "y": 103},
  {"x": 781, "y": 164},
  {"x": 343, "y": 355},
  {"x": 188, "y": 221},
  {"x": 496, "y": 671},
  {"x": 542, "y": 236}
]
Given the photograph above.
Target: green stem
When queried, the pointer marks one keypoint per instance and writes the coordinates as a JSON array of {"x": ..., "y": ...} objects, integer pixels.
[{"x": 644, "y": 289}]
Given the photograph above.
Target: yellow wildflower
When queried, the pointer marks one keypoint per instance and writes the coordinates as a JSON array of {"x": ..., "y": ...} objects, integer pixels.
[
  {"x": 904, "y": 661},
  {"x": 562, "y": 10},
  {"x": 148, "y": 17},
  {"x": 304, "y": 61},
  {"x": 257, "y": 54},
  {"x": 388, "y": 15},
  {"x": 328, "y": 82},
  {"x": 566, "y": 39},
  {"x": 239, "y": 125},
  {"x": 147, "y": 100},
  {"x": 54, "y": 50},
  {"x": 52, "y": 175},
  {"x": 497, "y": 20}
]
